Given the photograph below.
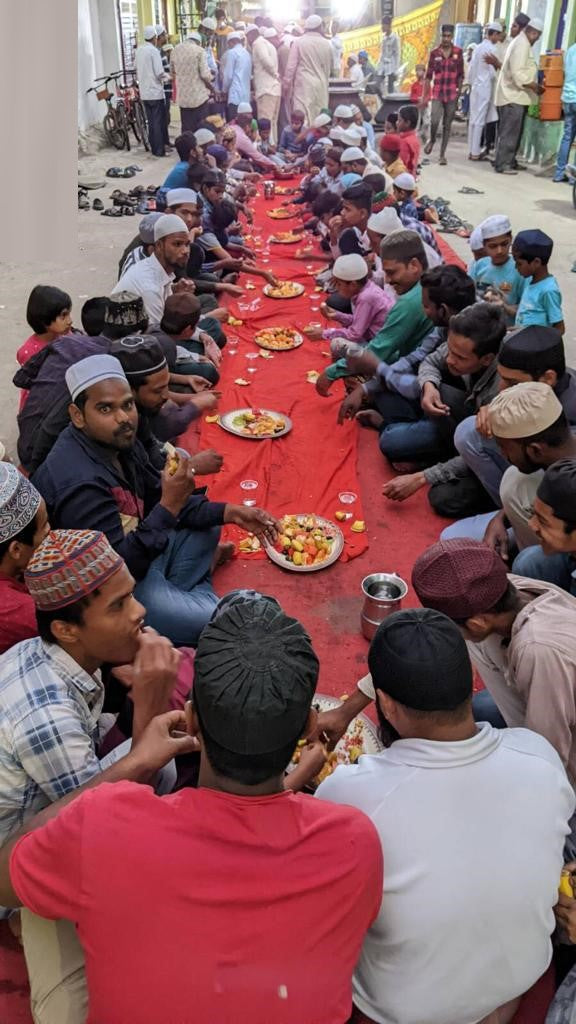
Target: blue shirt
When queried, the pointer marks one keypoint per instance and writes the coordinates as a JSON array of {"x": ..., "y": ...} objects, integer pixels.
[
  {"x": 541, "y": 304},
  {"x": 506, "y": 278},
  {"x": 237, "y": 74},
  {"x": 569, "y": 90},
  {"x": 178, "y": 176},
  {"x": 288, "y": 140}
]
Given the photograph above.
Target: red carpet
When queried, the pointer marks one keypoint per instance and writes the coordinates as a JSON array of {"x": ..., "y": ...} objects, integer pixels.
[{"x": 303, "y": 472}]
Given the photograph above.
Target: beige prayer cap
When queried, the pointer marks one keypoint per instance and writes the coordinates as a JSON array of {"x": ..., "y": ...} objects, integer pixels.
[{"x": 523, "y": 410}]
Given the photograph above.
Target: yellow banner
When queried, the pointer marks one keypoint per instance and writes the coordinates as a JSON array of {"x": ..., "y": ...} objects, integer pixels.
[{"x": 417, "y": 32}]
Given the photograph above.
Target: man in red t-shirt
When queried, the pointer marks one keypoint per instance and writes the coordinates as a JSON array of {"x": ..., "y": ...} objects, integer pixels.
[{"x": 239, "y": 902}]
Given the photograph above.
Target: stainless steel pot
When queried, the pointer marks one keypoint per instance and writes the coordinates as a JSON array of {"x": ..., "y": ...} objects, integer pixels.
[{"x": 383, "y": 594}]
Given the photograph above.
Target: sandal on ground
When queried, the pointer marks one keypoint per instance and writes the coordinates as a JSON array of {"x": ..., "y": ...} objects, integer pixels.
[
  {"x": 114, "y": 211},
  {"x": 128, "y": 211},
  {"x": 97, "y": 204},
  {"x": 469, "y": 190},
  {"x": 83, "y": 201}
]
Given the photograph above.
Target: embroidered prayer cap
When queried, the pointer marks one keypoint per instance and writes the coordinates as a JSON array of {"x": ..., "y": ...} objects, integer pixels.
[
  {"x": 385, "y": 221},
  {"x": 244, "y": 108},
  {"x": 390, "y": 143},
  {"x": 405, "y": 181},
  {"x": 255, "y": 675},
  {"x": 558, "y": 489},
  {"x": 534, "y": 350},
  {"x": 149, "y": 33},
  {"x": 125, "y": 309},
  {"x": 536, "y": 24},
  {"x": 523, "y": 410},
  {"x": 350, "y": 155},
  {"x": 459, "y": 578},
  {"x": 240, "y": 26},
  {"x": 203, "y": 136},
  {"x": 90, "y": 371},
  {"x": 321, "y": 121},
  {"x": 146, "y": 232},
  {"x": 313, "y": 22},
  {"x": 139, "y": 356},
  {"x": 476, "y": 242},
  {"x": 169, "y": 224},
  {"x": 354, "y": 59},
  {"x": 336, "y": 133},
  {"x": 534, "y": 244},
  {"x": 69, "y": 565},
  {"x": 495, "y": 226},
  {"x": 19, "y": 502},
  {"x": 351, "y": 267},
  {"x": 419, "y": 658},
  {"x": 355, "y": 110}
]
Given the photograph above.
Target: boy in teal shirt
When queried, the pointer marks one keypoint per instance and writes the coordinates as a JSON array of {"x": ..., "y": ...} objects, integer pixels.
[
  {"x": 404, "y": 262},
  {"x": 495, "y": 275},
  {"x": 541, "y": 301}
]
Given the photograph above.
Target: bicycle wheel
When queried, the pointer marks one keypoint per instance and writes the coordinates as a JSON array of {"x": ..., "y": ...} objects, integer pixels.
[
  {"x": 140, "y": 125},
  {"x": 115, "y": 133},
  {"x": 124, "y": 124}
]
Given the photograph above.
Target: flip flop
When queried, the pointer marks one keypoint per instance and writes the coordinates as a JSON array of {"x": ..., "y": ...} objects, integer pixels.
[
  {"x": 469, "y": 190},
  {"x": 133, "y": 167},
  {"x": 128, "y": 211},
  {"x": 114, "y": 211}
]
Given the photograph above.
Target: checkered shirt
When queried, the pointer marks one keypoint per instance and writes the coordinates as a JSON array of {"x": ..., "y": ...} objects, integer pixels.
[
  {"x": 447, "y": 73},
  {"x": 49, "y": 709}
]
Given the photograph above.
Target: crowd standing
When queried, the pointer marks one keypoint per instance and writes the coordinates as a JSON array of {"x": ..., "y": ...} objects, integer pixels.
[{"x": 418, "y": 885}]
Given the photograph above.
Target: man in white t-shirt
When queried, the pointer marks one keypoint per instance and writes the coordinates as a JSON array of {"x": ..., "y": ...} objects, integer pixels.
[{"x": 466, "y": 917}]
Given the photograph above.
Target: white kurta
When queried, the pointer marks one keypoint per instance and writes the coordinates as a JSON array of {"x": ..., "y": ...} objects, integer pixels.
[
  {"x": 482, "y": 78},
  {"x": 308, "y": 73},
  {"x": 267, "y": 88}
]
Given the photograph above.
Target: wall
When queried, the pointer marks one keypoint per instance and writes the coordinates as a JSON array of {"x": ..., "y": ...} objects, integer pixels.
[{"x": 98, "y": 54}]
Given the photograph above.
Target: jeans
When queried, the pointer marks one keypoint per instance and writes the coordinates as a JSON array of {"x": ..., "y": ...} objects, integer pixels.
[
  {"x": 566, "y": 141},
  {"x": 156, "y": 117},
  {"x": 406, "y": 435},
  {"x": 177, "y": 589},
  {"x": 482, "y": 455},
  {"x": 557, "y": 569},
  {"x": 442, "y": 112},
  {"x": 511, "y": 121}
]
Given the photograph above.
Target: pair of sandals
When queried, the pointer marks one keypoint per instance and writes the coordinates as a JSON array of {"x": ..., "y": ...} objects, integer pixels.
[
  {"x": 123, "y": 172},
  {"x": 84, "y": 202},
  {"x": 119, "y": 211},
  {"x": 139, "y": 191}
]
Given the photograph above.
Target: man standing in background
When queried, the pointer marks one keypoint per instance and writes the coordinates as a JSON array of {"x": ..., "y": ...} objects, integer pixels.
[
  {"x": 516, "y": 89},
  {"x": 165, "y": 49},
  {"x": 308, "y": 70},
  {"x": 337, "y": 50},
  {"x": 193, "y": 81},
  {"x": 389, "y": 62},
  {"x": 569, "y": 105},
  {"x": 267, "y": 88},
  {"x": 482, "y": 79},
  {"x": 444, "y": 79},
  {"x": 150, "y": 75},
  {"x": 236, "y": 75}
]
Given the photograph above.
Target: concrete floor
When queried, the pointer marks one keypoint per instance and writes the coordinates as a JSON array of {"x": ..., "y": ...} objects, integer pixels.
[{"x": 530, "y": 201}]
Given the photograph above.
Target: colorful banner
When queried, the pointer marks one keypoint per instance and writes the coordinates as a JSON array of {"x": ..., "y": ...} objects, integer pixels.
[{"x": 417, "y": 31}]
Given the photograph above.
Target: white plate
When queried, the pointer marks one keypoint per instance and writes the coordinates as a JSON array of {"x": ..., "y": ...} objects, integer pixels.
[
  {"x": 226, "y": 422},
  {"x": 298, "y": 339},
  {"x": 270, "y": 288},
  {"x": 337, "y": 547},
  {"x": 371, "y": 742}
]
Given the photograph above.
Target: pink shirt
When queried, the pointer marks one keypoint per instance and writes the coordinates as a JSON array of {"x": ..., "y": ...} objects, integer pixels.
[
  {"x": 207, "y": 906},
  {"x": 247, "y": 149},
  {"x": 31, "y": 346},
  {"x": 370, "y": 309}
]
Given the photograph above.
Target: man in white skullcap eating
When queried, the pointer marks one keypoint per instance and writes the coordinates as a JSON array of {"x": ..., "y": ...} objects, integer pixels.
[
  {"x": 308, "y": 70},
  {"x": 153, "y": 277}
]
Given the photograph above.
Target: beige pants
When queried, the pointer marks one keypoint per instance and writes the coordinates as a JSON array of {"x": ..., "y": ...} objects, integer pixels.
[
  {"x": 269, "y": 106},
  {"x": 55, "y": 962},
  {"x": 517, "y": 493}
]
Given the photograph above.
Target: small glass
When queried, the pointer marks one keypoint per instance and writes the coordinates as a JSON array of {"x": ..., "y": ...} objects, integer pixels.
[
  {"x": 347, "y": 497},
  {"x": 248, "y": 488},
  {"x": 252, "y": 355}
]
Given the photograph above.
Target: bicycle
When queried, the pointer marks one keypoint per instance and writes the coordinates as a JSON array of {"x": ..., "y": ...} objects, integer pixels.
[
  {"x": 115, "y": 122},
  {"x": 129, "y": 93}
]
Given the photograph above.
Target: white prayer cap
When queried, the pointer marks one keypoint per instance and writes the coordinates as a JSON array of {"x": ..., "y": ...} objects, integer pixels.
[
  {"x": 181, "y": 195},
  {"x": 385, "y": 221},
  {"x": 169, "y": 224},
  {"x": 269, "y": 32},
  {"x": 297, "y": 31},
  {"x": 494, "y": 226},
  {"x": 336, "y": 132},
  {"x": 160, "y": 30},
  {"x": 240, "y": 26},
  {"x": 343, "y": 111},
  {"x": 493, "y": 26},
  {"x": 476, "y": 241},
  {"x": 323, "y": 142},
  {"x": 351, "y": 154},
  {"x": 354, "y": 59},
  {"x": 354, "y": 108},
  {"x": 252, "y": 28},
  {"x": 321, "y": 121},
  {"x": 244, "y": 108},
  {"x": 358, "y": 130},
  {"x": 234, "y": 37},
  {"x": 405, "y": 181},
  {"x": 536, "y": 24},
  {"x": 348, "y": 137},
  {"x": 149, "y": 33},
  {"x": 203, "y": 136},
  {"x": 195, "y": 36},
  {"x": 314, "y": 21},
  {"x": 91, "y": 371},
  {"x": 350, "y": 268},
  {"x": 209, "y": 23}
]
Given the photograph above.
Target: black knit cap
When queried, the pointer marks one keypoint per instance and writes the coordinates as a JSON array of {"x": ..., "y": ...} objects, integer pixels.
[
  {"x": 522, "y": 20},
  {"x": 419, "y": 658},
  {"x": 558, "y": 489},
  {"x": 255, "y": 675},
  {"x": 533, "y": 244},
  {"x": 533, "y": 350},
  {"x": 140, "y": 356}
]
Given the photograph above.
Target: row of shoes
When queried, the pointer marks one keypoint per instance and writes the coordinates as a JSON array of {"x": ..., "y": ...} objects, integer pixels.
[{"x": 140, "y": 203}]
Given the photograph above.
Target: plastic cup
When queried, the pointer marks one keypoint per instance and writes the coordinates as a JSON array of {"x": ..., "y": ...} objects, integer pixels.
[
  {"x": 248, "y": 487},
  {"x": 347, "y": 497}
]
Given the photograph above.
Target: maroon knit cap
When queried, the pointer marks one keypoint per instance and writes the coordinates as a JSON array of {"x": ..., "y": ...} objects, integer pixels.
[{"x": 460, "y": 578}]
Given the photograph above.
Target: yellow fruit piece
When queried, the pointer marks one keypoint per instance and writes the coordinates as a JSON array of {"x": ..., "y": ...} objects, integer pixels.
[
  {"x": 312, "y": 376},
  {"x": 265, "y": 355},
  {"x": 320, "y": 289},
  {"x": 565, "y": 886},
  {"x": 211, "y": 419},
  {"x": 354, "y": 754},
  {"x": 358, "y": 526},
  {"x": 340, "y": 515},
  {"x": 235, "y": 323},
  {"x": 297, "y": 545},
  {"x": 297, "y": 558},
  {"x": 250, "y": 287}
]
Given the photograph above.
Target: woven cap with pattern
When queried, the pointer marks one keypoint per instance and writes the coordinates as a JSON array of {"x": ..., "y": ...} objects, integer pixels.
[
  {"x": 68, "y": 565},
  {"x": 460, "y": 578},
  {"x": 19, "y": 502},
  {"x": 524, "y": 410}
]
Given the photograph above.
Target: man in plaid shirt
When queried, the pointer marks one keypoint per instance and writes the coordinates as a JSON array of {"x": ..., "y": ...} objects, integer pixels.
[{"x": 444, "y": 80}]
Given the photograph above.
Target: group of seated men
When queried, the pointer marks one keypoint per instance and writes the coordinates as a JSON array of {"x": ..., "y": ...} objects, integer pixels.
[{"x": 392, "y": 894}]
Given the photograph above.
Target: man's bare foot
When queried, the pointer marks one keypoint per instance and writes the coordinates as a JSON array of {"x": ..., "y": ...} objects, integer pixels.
[
  {"x": 223, "y": 553},
  {"x": 370, "y": 418}
]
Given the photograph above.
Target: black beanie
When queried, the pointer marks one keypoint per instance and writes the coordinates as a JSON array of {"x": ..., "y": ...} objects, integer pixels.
[{"x": 558, "y": 489}]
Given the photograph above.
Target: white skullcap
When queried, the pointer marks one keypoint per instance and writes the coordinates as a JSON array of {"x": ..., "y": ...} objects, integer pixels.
[
  {"x": 269, "y": 32},
  {"x": 321, "y": 121},
  {"x": 160, "y": 30},
  {"x": 244, "y": 108},
  {"x": 251, "y": 28},
  {"x": 336, "y": 132},
  {"x": 476, "y": 241},
  {"x": 240, "y": 25},
  {"x": 91, "y": 371},
  {"x": 149, "y": 33},
  {"x": 314, "y": 21},
  {"x": 536, "y": 24},
  {"x": 234, "y": 37},
  {"x": 349, "y": 138},
  {"x": 181, "y": 195},
  {"x": 354, "y": 108},
  {"x": 493, "y": 26},
  {"x": 195, "y": 36},
  {"x": 297, "y": 31},
  {"x": 203, "y": 136},
  {"x": 350, "y": 268},
  {"x": 357, "y": 130},
  {"x": 351, "y": 154},
  {"x": 323, "y": 142},
  {"x": 169, "y": 224},
  {"x": 385, "y": 221},
  {"x": 209, "y": 23},
  {"x": 499, "y": 224},
  {"x": 343, "y": 111},
  {"x": 353, "y": 58},
  {"x": 405, "y": 181},
  {"x": 523, "y": 410}
]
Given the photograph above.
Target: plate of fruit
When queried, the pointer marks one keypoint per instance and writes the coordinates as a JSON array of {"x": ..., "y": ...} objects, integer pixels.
[
  {"x": 306, "y": 543},
  {"x": 255, "y": 423},
  {"x": 284, "y": 290},
  {"x": 278, "y": 339},
  {"x": 285, "y": 237},
  {"x": 280, "y": 213},
  {"x": 361, "y": 737}
]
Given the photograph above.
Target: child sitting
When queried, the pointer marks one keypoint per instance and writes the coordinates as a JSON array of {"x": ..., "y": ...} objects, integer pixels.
[
  {"x": 390, "y": 146},
  {"x": 541, "y": 301},
  {"x": 49, "y": 314},
  {"x": 370, "y": 307},
  {"x": 330, "y": 176},
  {"x": 495, "y": 276},
  {"x": 410, "y": 143},
  {"x": 293, "y": 139}
]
